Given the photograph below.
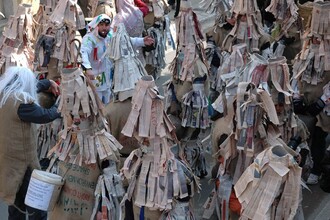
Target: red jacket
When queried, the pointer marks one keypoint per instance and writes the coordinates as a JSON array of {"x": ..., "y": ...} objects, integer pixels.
[{"x": 142, "y": 6}]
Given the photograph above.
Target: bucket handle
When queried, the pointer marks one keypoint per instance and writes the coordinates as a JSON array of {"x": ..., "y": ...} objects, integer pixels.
[{"x": 52, "y": 162}]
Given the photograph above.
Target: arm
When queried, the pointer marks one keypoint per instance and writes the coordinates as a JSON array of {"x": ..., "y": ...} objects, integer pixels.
[
  {"x": 142, "y": 41},
  {"x": 86, "y": 50},
  {"x": 48, "y": 86},
  {"x": 137, "y": 41},
  {"x": 35, "y": 114}
]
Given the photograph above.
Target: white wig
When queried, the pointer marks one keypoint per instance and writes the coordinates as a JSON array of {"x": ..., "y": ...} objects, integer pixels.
[{"x": 20, "y": 83}]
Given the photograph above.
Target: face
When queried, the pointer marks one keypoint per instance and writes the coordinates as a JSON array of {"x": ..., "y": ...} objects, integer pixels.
[
  {"x": 243, "y": 18},
  {"x": 279, "y": 108},
  {"x": 315, "y": 40},
  {"x": 104, "y": 29}
]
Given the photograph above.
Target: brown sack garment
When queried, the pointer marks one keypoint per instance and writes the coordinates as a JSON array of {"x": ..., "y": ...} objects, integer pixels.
[{"x": 76, "y": 200}]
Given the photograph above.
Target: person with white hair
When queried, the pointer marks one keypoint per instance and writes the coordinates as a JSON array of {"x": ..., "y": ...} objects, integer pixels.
[
  {"x": 98, "y": 66},
  {"x": 19, "y": 114}
]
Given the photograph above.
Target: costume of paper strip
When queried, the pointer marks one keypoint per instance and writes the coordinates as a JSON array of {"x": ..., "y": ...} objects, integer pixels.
[
  {"x": 16, "y": 43},
  {"x": 249, "y": 31},
  {"x": 84, "y": 137},
  {"x": 320, "y": 25},
  {"x": 156, "y": 177},
  {"x": 147, "y": 118},
  {"x": 68, "y": 12},
  {"x": 181, "y": 211},
  {"x": 55, "y": 47},
  {"x": 108, "y": 193},
  {"x": 130, "y": 16},
  {"x": 127, "y": 67},
  {"x": 269, "y": 188},
  {"x": 156, "y": 57},
  {"x": 285, "y": 12},
  {"x": 221, "y": 7},
  {"x": 195, "y": 112},
  {"x": 107, "y": 7},
  {"x": 311, "y": 68},
  {"x": 48, "y": 137},
  {"x": 312, "y": 62}
]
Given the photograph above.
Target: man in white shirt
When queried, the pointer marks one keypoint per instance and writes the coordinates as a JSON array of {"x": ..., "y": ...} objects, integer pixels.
[{"x": 98, "y": 66}]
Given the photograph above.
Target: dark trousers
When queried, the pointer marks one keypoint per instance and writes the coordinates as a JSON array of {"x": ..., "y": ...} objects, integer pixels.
[
  {"x": 318, "y": 148},
  {"x": 33, "y": 214},
  {"x": 316, "y": 142}
]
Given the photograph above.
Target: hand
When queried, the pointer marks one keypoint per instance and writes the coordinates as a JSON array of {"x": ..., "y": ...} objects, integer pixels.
[
  {"x": 148, "y": 41},
  {"x": 231, "y": 20},
  {"x": 90, "y": 74},
  {"x": 99, "y": 215},
  {"x": 54, "y": 88},
  {"x": 326, "y": 94}
]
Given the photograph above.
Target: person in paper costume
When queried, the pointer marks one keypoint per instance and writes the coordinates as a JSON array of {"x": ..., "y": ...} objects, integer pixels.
[
  {"x": 131, "y": 14},
  {"x": 19, "y": 111},
  {"x": 247, "y": 28},
  {"x": 98, "y": 66},
  {"x": 311, "y": 73}
]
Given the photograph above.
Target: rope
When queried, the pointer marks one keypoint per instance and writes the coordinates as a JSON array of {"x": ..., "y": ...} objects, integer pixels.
[{"x": 25, "y": 213}]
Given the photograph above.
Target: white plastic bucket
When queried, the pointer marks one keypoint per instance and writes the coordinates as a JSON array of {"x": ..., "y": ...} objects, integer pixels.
[{"x": 43, "y": 191}]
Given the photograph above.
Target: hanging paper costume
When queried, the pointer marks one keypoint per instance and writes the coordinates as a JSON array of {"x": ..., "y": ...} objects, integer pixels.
[
  {"x": 56, "y": 45},
  {"x": 127, "y": 67},
  {"x": 311, "y": 68},
  {"x": 249, "y": 31},
  {"x": 16, "y": 43},
  {"x": 157, "y": 177},
  {"x": 268, "y": 189},
  {"x": 84, "y": 144}
]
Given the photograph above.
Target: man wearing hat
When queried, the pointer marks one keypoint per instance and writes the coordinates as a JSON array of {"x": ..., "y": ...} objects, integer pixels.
[{"x": 98, "y": 66}]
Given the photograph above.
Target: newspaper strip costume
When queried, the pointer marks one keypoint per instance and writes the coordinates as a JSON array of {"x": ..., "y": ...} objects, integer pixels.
[
  {"x": 84, "y": 137},
  {"x": 285, "y": 12},
  {"x": 214, "y": 38},
  {"x": 181, "y": 211},
  {"x": 247, "y": 31},
  {"x": 107, "y": 7},
  {"x": 16, "y": 43},
  {"x": 156, "y": 177},
  {"x": 254, "y": 97},
  {"x": 268, "y": 188},
  {"x": 311, "y": 66},
  {"x": 128, "y": 69},
  {"x": 233, "y": 62},
  {"x": 320, "y": 19},
  {"x": 130, "y": 16},
  {"x": 157, "y": 26},
  {"x": 108, "y": 192},
  {"x": 55, "y": 44},
  {"x": 186, "y": 92},
  {"x": 42, "y": 16},
  {"x": 190, "y": 64},
  {"x": 156, "y": 57},
  {"x": 221, "y": 7},
  {"x": 85, "y": 141}
]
